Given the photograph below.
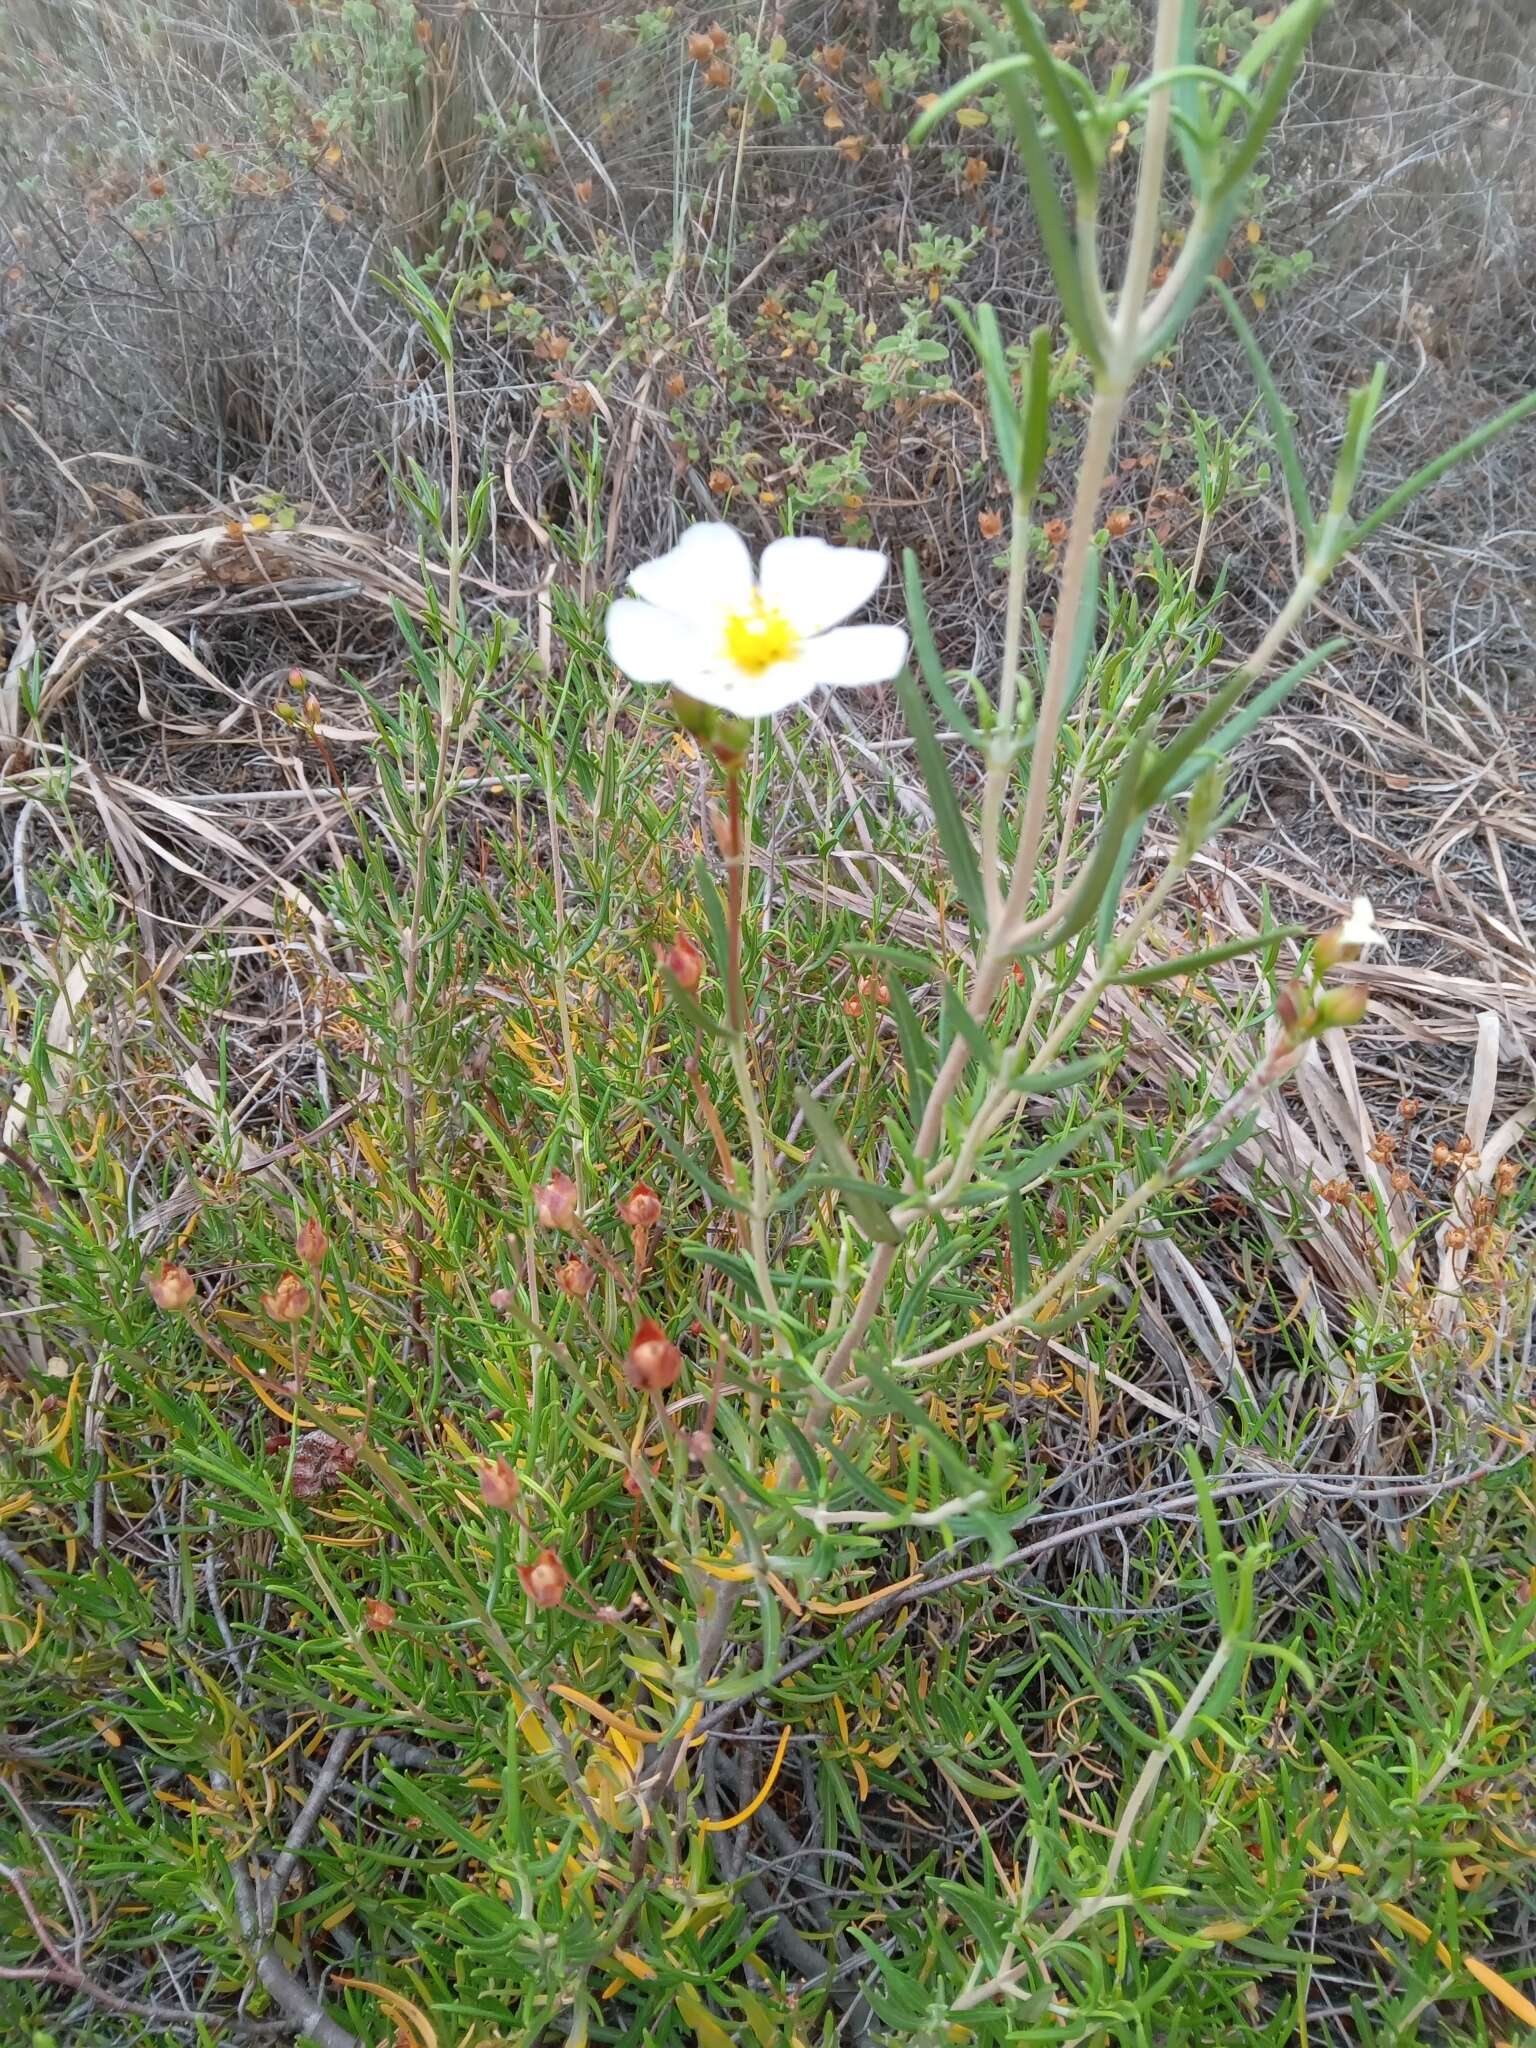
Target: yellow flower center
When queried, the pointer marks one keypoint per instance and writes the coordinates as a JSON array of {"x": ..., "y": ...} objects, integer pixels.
[{"x": 755, "y": 639}]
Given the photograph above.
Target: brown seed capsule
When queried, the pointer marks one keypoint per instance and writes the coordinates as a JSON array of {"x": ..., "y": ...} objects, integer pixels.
[
  {"x": 977, "y": 171},
  {"x": 555, "y": 1203},
  {"x": 1119, "y": 523},
  {"x": 312, "y": 1244},
  {"x": 499, "y": 1486},
  {"x": 717, "y": 36},
  {"x": 641, "y": 1207},
  {"x": 378, "y": 1614},
  {"x": 575, "y": 1279},
  {"x": 989, "y": 524},
  {"x": 654, "y": 1361},
  {"x": 700, "y": 48},
  {"x": 719, "y": 73},
  {"x": 289, "y": 1301},
  {"x": 172, "y": 1288},
  {"x": 545, "y": 1580}
]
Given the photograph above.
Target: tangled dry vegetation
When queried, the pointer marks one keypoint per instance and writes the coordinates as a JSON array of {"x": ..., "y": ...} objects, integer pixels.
[{"x": 704, "y": 283}]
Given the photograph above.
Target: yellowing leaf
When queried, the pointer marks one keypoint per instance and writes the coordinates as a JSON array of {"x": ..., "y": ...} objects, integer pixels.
[
  {"x": 1226, "y": 1930},
  {"x": 1404, "y": 1921},
  {"x": 637, "y": 1966},
  {"x": 707, "y": 2030},
  {"x": 397, "y": 2006},
  {"x": 1500, "y": 1988},
  {"x": 970, "y": 117},
  {"x": 1254, "y": 232}
]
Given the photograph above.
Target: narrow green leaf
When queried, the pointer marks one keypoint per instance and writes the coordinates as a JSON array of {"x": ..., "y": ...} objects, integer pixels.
[
  {"x": 927, "y": 653},
  {"x": 686, "y": 1157},
  {"x": 1120, "y": 825},
  {"x": 959, "y": 1023},
  {"x": 1037, "y": 410},
  {"x": 1208, "y": 956},
  {"x": 1085, "y": 317},
  {"x": 1431, "y": 473},
  {"x": 916, "y": 1052},
  {"x": 1075, "y": 146},
  {"x": 1069, "y": 1075},
  {"x": 1186, "y": 99},
  {"x": 1164, "y": 775},
  {"x": 714, "y": 911},
  {"x": 860, "y": 1197},
  {"x": 1085, "y": 626},
  {"x": 1033, "y": 1166},
  {"x": 1080, "y": 1308},
  {"x": 986, "y": 342},
  {"x": 984, "y": 76},
  {"x": 954, "y": 837},
  {"x": 1290, "y": 35},
  {"x": 1276, "y": 411}
]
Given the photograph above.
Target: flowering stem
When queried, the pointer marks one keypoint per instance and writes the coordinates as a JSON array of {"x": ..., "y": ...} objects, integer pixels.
[
  {"x": 735, "y": 886},
  {"x": 1000, "y": 765},
  {"x": 737, "y": 1017},
  {"x": 498, "y": 1565}
]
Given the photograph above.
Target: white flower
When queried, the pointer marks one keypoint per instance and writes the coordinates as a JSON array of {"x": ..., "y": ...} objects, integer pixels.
[
  {"x": 702, "y": 622},
  {"x": 1359, "y": 929}
]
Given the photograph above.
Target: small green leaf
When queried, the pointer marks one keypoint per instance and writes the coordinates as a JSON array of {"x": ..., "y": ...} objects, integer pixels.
[
  {"x": 863, "y": 1203},
  {"x": 1276, "y": 411},
  {"x": 1208, "y": 956},
  {"x": 954, "y": 836}
]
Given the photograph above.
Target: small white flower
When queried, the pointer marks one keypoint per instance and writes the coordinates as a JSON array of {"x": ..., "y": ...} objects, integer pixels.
[
  {"x": 1359, "y": 928},
  {"x": 750, "y": 645}
]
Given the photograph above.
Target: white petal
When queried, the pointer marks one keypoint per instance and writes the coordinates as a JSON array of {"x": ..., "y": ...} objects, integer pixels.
[
  {"x": 816, "y": 585},
  {"x": 653, "y": 646},
  {"x": 1360, "y": 927},
  {"x": 730, "y": 689},
  {"x": 708, "y": 574},
  {"x": 856, "y": 654}
]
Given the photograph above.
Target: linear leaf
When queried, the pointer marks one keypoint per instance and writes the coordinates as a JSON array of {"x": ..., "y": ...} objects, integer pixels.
[
  {"x": 862, "y": 1199},
  {"x": 954, "y": 837},
  {"x": 1208, "y": 956},
  {"x": 1276, "y": 411}
]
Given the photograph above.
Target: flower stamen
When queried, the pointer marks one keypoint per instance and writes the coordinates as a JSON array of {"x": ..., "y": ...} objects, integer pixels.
[{"x": 758, "y": 637}]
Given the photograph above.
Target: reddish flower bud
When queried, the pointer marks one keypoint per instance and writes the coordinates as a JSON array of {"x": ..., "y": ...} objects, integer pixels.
[
  {"x": 654, "y": 1361},
  {"x": 641, "y": 1207},
  {"x": 502, "y": 1299},
  {"x": 499, "y": 1486},
  {"x": 545, "y": 1580},
  {"x": 289, "y": 1301},
  {"x": 684, "y": 962},
  {"x": 576, "y": 1279},
  {"x": 312, "y": 1244},
  {"x": 172, "y": 1288},
  {"x": 555, "y": 1202}
]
